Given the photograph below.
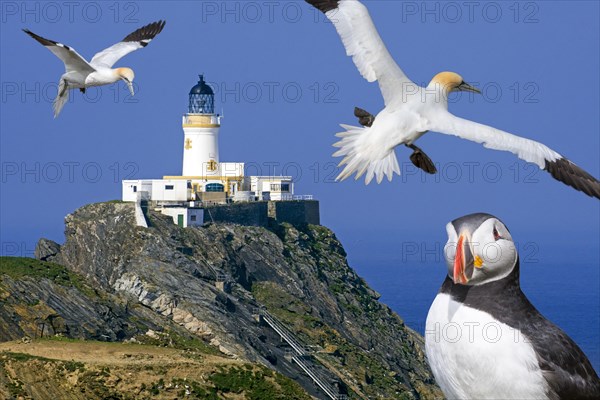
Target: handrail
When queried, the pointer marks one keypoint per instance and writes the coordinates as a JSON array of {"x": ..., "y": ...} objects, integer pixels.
[
  {"x": 303, "y": 197},
  {"x": 295, "y": 344},
  {"x": 283, "y": 332},
  {"x": 310, "y": 371}
]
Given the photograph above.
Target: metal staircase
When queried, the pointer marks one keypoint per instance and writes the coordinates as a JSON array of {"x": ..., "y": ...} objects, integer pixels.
[
  {"x": 302, "y": 358},
  {"x": 307, "y": 366},
  {"x": 282, "y": 331}
]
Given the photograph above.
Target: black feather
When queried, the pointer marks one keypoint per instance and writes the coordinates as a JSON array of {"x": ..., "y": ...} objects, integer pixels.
[
  {"x": 570, "y": 174},
  {"x": 145, "y": 33},
  {"x": 324, "y": 5},
  {"x": 43, "y": 41}
]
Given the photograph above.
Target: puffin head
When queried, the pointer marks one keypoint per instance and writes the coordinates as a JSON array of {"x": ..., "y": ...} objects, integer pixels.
[
  {"x": 479, "y": 250},
  {"x": 451, "y": 82},
  {"x": 127, "y": 75}
]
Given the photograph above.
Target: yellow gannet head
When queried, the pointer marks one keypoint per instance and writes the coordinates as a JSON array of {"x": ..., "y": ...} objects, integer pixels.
[
  {"x": 452, "y": 82},
  {"x": 127, "y": 75}
]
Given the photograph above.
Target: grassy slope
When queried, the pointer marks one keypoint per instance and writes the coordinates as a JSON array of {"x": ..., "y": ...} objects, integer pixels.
[
  {"x": 165, "y": 366},
  {"x": 70, "y": 369}
]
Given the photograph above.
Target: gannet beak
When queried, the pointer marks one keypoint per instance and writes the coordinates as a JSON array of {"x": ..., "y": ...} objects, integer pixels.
[
  {"x": 464, "y": 262},
  {"x": 129, "y": 85},
  {"x": 465, "y": 87}
]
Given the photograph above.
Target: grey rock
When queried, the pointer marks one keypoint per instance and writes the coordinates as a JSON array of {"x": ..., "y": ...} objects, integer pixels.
[
  {"x": 46, "y": 250},
  {"x": 298, "y": 273}
]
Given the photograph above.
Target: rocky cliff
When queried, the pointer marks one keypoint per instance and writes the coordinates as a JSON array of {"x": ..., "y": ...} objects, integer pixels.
[{"x": 213, "y": 283}]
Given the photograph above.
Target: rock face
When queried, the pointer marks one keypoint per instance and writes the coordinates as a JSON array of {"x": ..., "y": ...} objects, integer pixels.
[
  {"x": 46, "y": 250},
  {"x": 299, "y": 274},
  {"x": 41, "y": 299}
]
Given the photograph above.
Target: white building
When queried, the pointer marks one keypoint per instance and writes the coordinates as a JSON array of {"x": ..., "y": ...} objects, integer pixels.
[{"x": 204, "y": 179}]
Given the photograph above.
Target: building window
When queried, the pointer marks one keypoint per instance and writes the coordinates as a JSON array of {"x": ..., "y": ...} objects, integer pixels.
[
  {"x": 169, "y": 187},
  {"x": 280, "y": 187},
  {"x": 215, "y": 187},
  {"x": 193, "y": 218},
  {"x": 134, "y": 189}
]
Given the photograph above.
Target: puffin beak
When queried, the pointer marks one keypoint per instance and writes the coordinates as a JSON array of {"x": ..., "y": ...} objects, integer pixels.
[
  {"x": 465, "y": 87},
  {"x": 464, "y": 262}
]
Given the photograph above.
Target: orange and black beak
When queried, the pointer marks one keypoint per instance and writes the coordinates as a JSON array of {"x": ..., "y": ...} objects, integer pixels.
[{"x": 464, "y": 261}]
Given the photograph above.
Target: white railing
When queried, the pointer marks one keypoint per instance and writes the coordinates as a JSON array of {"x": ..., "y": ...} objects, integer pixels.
[
  {"x": 303, "y": 197},
  {"x": 313, "y": 373},
  {"x": 283, "y": 332},
  {"x": 299, "y": 359}
]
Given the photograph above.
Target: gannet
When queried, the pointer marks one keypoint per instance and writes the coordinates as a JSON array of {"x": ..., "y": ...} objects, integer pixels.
[
  {"x": 484, "y": 339},
  {"x": 80, "y": 74},
  {"x": 411, "y": 111}
]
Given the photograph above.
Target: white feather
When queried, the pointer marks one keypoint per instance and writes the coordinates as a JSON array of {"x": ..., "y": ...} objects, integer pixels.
[
  {"x": 358, "y": 159},
  {"x": 492, "y": 138},
  {"x": 61, "y": 98},
  {"x": 109, "y": 56},
  {"x": 473, "y": 356},
  {"x": 363, "y": 43}
]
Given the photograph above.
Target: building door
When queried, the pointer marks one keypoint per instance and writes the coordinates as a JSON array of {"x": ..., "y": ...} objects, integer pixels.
[{"x": 180, "y": 220}]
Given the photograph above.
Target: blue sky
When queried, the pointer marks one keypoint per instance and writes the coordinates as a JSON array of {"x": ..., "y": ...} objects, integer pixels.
[{"x": 284, "y": 84}]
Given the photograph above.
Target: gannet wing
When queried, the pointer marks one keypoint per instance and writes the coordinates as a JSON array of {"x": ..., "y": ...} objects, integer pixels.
[
  {"x": 363, "y": 43},
  {"x": 529, "y": 150},
  {"x": 72, "y": 60},
  {"x": 134, "y": 41}
]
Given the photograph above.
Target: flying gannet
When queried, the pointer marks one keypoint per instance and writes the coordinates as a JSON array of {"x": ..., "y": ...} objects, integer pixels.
[
  {"x": 80, "y": 74},
  {"x": 411, "y": 111}
]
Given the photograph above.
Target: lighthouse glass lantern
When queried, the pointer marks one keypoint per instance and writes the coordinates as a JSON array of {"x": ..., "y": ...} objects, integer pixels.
[{"x": 202, "y": 98}]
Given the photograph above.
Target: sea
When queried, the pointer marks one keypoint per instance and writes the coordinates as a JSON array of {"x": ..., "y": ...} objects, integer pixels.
[{"x": 567, "y": 296}]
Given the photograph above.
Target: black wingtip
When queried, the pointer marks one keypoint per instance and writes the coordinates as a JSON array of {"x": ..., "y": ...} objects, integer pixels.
[
  {"x": 43, "y": 41},
  {"x": 324, "y": 5},
  {"x": 146, "y": 33},
  {"x": 570, "y": 174}
]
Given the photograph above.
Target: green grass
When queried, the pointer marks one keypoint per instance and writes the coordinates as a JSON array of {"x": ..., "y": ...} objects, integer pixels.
[
  {"x": 257, "y": 384},
  {"x": 21, "y": 267},
  {"x": 21, "y": 357}
]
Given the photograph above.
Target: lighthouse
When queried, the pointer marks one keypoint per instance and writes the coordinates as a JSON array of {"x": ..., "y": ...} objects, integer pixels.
[
  {"x": 201, "y": 133},
  {"x": 206, "y": 181}
]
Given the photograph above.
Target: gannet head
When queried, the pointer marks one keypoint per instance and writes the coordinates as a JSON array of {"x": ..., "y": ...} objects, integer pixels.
[
  {"x": 451, "y": 82},
  {"x": 127, "y": 75}
]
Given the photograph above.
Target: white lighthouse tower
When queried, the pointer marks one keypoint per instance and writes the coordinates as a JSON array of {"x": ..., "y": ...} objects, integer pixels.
[{"x": 201, "y": 129}]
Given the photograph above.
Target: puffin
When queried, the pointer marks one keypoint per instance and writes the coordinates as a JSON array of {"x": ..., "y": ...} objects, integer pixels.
[
  {"x": 412, "y": 110},
  {"x": 483, "y": 337}
]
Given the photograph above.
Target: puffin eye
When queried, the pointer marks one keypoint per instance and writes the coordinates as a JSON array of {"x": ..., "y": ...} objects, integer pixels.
[{"x": 497, "y": 234}]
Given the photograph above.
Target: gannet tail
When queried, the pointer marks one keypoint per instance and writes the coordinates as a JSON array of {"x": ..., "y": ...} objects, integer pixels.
[
  {"x": 359, "y": 157},
  {"x": 61, "y": 97}
]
